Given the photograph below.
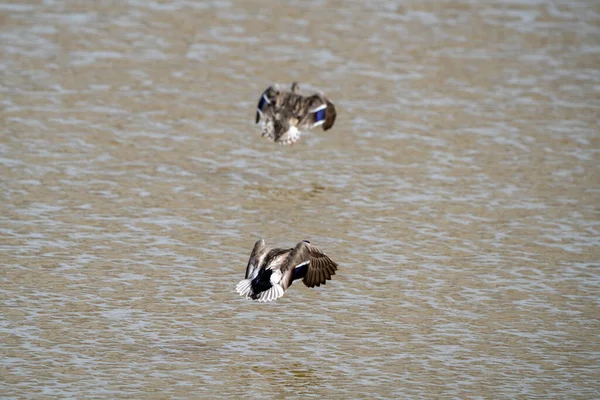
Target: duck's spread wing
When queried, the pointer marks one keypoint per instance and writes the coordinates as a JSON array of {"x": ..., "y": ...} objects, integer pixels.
[
  {"x": 329, "y": 115},
  {"x": 267, "y": 98},
  {"x": 320, "y": 268},
  {"x": 258, "y": 252},
  {"x": 321, "y": 111}
]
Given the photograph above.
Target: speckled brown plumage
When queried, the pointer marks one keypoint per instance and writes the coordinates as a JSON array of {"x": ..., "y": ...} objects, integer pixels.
[{"x": 284, "y": 114}]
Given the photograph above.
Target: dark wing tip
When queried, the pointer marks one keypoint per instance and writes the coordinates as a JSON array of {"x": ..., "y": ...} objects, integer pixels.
[
  {"x": 320, "y": 270},
  {"x": 261, "y": 105},
  {"x": 266, "y": 98},
  {"x": 329, "y": 116}
]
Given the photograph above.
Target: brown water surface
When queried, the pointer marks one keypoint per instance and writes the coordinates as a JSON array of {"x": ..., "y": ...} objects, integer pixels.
[{"x": 459, "y": 191}]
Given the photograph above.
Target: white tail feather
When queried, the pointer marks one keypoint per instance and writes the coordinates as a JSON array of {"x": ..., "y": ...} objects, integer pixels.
[
  {"x": 275, "y": 292},
  {"x": 244, "y": 288}
]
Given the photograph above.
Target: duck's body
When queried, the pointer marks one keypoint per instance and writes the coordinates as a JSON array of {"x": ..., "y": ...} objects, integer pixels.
[
  {"x": 271, "y": 271},
  {"x": 284, "y": 115}
]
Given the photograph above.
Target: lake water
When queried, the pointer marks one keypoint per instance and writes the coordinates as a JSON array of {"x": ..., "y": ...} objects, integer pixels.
[{"x": 459, "y": 192}]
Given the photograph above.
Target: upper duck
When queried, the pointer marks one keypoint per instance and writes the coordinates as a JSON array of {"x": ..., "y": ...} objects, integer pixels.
[
  {"x": 283, "y": 114},
  {"x": 271, "y": 271}
]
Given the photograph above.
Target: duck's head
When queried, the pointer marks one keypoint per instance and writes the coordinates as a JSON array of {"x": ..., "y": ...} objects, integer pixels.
[
  {"x": 295, "y": 87},
  {"x": 272, "y": 92}
]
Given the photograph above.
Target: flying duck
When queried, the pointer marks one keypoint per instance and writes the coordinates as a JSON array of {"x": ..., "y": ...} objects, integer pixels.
[
  {"x": 283, "y": 114},
  {"x": 271, "y": 271}
]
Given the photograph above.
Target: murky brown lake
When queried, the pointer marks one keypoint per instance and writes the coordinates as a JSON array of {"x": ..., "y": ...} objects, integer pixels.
[{"x": 459, "y": 191}]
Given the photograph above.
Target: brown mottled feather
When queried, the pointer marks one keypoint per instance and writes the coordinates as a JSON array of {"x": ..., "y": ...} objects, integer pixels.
[
  {"x": 256, "y": 257},
  {"x": 291, "y": 109}
]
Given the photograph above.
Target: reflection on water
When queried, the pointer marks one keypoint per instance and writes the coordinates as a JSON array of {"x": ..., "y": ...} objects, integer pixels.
[{"x": 458, "y": 191}]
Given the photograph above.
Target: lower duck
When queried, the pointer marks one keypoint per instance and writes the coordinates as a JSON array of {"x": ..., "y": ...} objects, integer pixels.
[{"x": 271, "y": 271}]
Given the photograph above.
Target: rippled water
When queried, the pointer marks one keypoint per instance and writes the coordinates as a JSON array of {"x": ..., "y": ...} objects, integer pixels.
[{"x": 459, "y": 191}]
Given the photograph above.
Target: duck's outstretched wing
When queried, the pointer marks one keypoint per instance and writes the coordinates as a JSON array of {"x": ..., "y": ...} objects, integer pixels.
[
  {"x": 266, "y": 99},
  {"x": 258, "y": 254},
  {"x": 319, "y": 267},
  {"x": 330, "y": 115},
  {"x": 321, "y": 111}
]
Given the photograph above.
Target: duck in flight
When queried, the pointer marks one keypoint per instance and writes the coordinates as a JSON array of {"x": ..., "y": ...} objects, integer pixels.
[
  {"x": 283, "y": 115},
  {"x": 271, "y": 271}
]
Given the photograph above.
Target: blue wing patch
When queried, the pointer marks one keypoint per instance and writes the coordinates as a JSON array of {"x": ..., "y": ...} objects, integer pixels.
[
  {"x": 300, "y": 272},
  {"x": 320, "y": 115},
  {"x": 261, "y": 104}
]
